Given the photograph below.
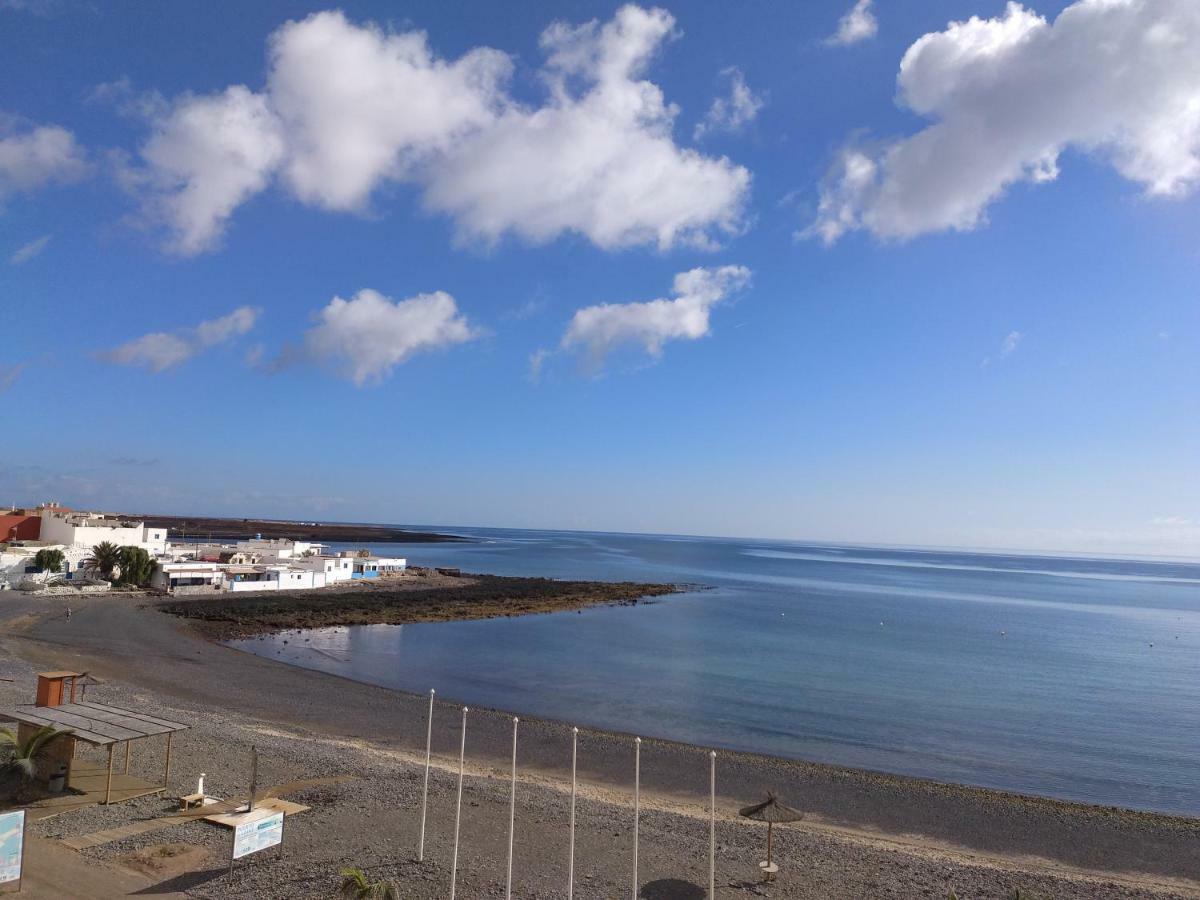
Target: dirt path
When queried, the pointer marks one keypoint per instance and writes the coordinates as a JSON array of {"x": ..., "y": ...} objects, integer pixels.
[{"x": 55, "y": 872}]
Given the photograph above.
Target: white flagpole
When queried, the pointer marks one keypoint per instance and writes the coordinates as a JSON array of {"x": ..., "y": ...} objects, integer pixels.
[
  {"x": 462, "y": 755},
  {"x": 571, "y": 864},
  {"x": 712, "y": 825},
  {"x": 512, "y": 811},
  {"x": 637, "y": 807},
  {"x": 425, "y": 790}
]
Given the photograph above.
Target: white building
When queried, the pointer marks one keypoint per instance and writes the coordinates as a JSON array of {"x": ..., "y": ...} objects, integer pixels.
[
  {"x": 192, "y": 577},
  {"x": 17, "y": 560},
  {"x": 188, "y": 577},
  {"x": 334, "y": 568},
  {"x": 279, "y": 548},
  {"x": 85, "y": 530},
  {"x": 374, "y": 566}
]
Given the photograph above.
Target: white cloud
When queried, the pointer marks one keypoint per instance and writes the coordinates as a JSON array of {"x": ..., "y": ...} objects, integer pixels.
[
  {"x": 26, "y": 252},
  {"x": 361, "y": 106},
  {"x": 733, "y": 113},
  {"x": 9, "y": 375},
  {"x": 858, "y": 24},
  {"x": 162, "y": 350},
  {"x": 599, "y": 330},
  {"x": 1170, "y": 521},
  {"x": 206, "y": 157},
  {"x": 537, "y": 359},
  {"x": 368, "y": 335},
  {"x": 30, "y": 159},
  {"x": 598, "y": 159},
  {"x": 1117, "y": 79},
  {"x": 1010, "y": 343},
  {"x": 348, "y": 109}
]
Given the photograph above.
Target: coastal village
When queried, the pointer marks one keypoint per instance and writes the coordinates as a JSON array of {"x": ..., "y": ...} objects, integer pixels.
[{"x": 52, "y": 549}]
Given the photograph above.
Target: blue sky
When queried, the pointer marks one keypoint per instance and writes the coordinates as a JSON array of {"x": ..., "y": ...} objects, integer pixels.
[{"x": 953, "y": 305}]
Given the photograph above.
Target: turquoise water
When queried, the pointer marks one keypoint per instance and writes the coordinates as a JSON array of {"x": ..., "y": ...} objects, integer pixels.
[{"x": 1073, "y": 678}]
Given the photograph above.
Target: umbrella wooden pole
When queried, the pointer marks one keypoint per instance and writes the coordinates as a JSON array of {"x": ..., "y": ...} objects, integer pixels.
[{"x": 770, "y": 825}]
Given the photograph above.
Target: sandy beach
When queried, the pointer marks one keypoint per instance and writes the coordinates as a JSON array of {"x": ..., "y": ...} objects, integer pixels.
[{"x": 354, "y": 753}]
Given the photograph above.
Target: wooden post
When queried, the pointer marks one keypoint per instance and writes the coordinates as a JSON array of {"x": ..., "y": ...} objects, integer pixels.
[
  {"x": 108, "y": 786},
  {"x": 127, "y": 745},
  {"x": 253, "y": 778},
  {"x": 167, "y": 767}
]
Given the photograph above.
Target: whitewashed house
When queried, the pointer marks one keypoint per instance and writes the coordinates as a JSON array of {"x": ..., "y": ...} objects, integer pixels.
[{"x": 86, "y": 530}]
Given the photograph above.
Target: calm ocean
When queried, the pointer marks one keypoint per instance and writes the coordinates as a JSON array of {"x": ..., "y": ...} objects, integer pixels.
[{"x": 1072, "y": 678}]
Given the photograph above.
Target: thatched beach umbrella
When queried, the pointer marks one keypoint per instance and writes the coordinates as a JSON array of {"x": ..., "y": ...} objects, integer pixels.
[{"x": 772, "y": 812}]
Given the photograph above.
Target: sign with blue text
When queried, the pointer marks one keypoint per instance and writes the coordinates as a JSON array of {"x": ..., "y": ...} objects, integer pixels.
[
  {"x": 12, "y": 845},
  {"x": 259, "y": 834}
]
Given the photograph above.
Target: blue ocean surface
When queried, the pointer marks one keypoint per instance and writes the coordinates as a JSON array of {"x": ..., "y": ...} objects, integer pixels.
[{"x": 1076, "y": 678}]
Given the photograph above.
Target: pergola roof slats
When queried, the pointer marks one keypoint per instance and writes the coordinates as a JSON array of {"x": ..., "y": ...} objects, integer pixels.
[
  {"x": 123, "y": 719},
  {"x": 141, "y": 716},
  {"x": 94, "y": 723}
]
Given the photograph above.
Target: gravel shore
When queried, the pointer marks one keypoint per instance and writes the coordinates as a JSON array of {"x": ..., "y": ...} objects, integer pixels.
[{"x": 354, "y": 753}]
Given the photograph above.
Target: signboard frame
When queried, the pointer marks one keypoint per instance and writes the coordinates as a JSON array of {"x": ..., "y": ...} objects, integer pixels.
[
  {"x": 258, "y": 824},
  {"x": 23, "y": 832}
]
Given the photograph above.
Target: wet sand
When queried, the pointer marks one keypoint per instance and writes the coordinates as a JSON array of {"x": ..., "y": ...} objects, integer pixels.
[{"x": 866, "y": 834}]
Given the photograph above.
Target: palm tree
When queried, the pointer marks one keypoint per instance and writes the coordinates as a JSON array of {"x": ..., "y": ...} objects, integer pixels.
[
  {"x": 21, "y": 756},
  {"x": 356, "y": 885},
  {"x": 106, "y": 556},
  {"x": 49, "y": 560}
]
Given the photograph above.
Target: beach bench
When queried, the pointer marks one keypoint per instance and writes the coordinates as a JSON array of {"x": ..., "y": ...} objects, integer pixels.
[{"x": 191, "y": 800}]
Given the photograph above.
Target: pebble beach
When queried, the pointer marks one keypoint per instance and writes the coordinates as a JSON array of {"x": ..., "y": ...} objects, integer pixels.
[{"x": 355, "y": 755}]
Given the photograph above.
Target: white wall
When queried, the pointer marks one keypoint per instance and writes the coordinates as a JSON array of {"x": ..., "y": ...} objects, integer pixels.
[{"x": 57, "y": 528}]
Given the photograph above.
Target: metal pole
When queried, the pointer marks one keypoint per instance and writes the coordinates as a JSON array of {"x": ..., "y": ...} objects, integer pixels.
[
  {"x": 712, "y": 825},
  {"x": 462, "y": 755},
  {"x": 637, "y": 807},
  {"x": 512, "y": 811},
  {"x": 571, "y": 864},
  {"x": 425, "y": 791},
  {"x": 127, "y": 757}
]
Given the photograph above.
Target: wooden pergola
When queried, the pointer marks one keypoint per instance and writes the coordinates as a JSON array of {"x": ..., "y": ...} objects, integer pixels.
[{"x": 105, "y": 726}]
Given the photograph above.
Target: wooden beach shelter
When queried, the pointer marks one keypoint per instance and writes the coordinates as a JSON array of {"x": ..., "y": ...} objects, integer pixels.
[
  {"x": 773, "y": 813},
  {"x": 97, "y": 724}
]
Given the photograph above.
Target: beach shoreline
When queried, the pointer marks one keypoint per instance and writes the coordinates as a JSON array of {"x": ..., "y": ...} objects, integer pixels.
[{"x": 125, "y": 640}]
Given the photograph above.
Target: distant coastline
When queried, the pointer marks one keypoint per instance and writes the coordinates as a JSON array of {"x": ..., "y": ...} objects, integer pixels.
[
  {"x": 422, "y": 595},
  {"x": 213, "y": 528}
]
